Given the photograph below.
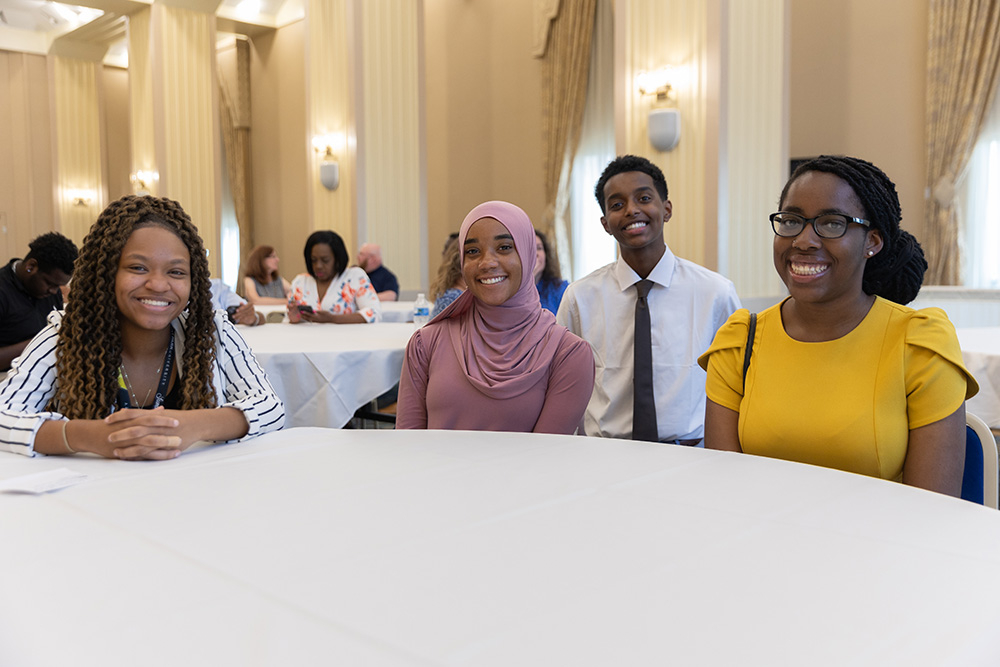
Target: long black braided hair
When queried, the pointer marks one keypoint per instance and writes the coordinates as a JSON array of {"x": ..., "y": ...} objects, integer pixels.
[{"x": 897, "y": 271}]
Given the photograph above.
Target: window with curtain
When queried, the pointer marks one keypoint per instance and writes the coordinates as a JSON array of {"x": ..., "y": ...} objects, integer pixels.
[
  {"x": 978, "y": 199},
  {"x": 592, "y": 247}
]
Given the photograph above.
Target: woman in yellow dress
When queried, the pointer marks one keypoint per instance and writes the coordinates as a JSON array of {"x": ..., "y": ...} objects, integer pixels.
[{"x": 842, "y": 374}]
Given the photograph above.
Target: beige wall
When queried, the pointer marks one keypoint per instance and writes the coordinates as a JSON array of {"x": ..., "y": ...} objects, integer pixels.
[
  {"x": 390, "y": 142},
  {"x": 484, "y": 118},
  {"x": 79, "y": 130},
  {"x": 27, "y": 172},
  {"x": 730, "y": 160},
  {"x": 858, "y": 87},
  {"x": 114, "y": 82},
  {"x": 278, "y": 143}
]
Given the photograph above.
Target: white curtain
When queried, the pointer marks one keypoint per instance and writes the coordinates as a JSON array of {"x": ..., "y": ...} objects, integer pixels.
[
  {"x": 591, "y": 247},
  {"x": 978, "y": 198}
]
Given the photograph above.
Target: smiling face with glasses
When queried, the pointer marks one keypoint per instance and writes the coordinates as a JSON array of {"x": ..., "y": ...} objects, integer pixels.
[{"x": 822, "y": 241}]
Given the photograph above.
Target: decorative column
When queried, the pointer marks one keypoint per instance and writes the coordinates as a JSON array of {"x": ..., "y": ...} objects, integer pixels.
[
  {"x": 174, "y": 96},
  {"x": 80, "y": 190},
  {"x": 392, "y": 194},
  {"x": 330, "y": 109}
]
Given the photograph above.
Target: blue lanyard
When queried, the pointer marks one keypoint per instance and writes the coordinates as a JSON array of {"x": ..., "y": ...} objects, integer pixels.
[{"x": 125, "y": 401}]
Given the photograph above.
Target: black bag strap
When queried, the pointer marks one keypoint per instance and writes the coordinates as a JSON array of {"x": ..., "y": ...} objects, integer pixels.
[{"x": 751, "y": 331}]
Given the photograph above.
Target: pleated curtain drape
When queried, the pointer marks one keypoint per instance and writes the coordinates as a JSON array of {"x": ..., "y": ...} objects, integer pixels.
[
  {"x": 963, "y": 65},
  {"x": 235, "y": 113},
  {"x": 565, "y": 70}
]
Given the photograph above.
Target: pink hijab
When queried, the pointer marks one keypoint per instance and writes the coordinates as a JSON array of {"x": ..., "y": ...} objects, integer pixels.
[{"x": 504, "y": 350}]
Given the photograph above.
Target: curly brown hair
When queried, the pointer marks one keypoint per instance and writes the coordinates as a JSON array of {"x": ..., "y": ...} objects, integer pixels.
[
  {"x": 449, "y": 272},
  {"x": 89, "y": 350}
]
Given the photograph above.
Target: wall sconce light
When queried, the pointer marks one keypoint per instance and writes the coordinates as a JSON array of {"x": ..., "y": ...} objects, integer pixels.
[
  {"x": 143, "y": 181},
  {"x": 664, "y": 124},
  {"x": 80, "y": 197},
  {"x": 659, "y": 82},
  {"x": 329, "y": 167}
]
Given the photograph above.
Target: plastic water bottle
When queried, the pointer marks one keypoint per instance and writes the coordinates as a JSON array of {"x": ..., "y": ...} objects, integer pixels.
[{"x": 421, "y": 311}]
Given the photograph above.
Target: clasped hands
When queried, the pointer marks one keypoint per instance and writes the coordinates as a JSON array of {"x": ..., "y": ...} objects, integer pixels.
[{"x": 134, "y": 434}]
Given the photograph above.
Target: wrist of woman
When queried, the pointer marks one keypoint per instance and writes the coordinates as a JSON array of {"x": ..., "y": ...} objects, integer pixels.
[{"x": 65, "y": 440}]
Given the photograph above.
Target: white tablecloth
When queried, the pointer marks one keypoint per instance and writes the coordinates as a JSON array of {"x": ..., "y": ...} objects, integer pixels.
[
  {"x": 392, "y": 311},
  {"x": 397, "y": 311},
  {"x": 981, "y": 353},
  {"x": 325, "y": 372},
  {"x": 316, "y": 546}
]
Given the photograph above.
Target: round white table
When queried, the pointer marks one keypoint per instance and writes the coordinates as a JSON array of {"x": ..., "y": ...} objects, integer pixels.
[
  {"x": 325, "y": 372},
  {"x": 318, "y": 546}
]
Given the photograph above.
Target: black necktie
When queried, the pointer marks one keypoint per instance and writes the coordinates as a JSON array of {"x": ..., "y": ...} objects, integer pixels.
[{"x": 643, "y": 405}]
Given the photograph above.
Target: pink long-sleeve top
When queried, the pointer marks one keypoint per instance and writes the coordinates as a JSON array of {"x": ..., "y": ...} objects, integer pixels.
[{"x": 435, "y": 393}]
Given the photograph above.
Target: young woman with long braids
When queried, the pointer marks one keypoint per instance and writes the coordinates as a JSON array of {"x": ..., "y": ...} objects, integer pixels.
[
  {"x": 139, "y": 366},
  {"x": 841, "y": 373}
]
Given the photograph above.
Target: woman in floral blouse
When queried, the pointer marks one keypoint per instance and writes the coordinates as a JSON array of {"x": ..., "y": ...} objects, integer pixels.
[{"x": 331, "y": 291}]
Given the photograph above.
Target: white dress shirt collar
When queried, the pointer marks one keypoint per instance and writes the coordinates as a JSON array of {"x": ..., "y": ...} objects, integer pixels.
[{"x": 661, "y": 273}]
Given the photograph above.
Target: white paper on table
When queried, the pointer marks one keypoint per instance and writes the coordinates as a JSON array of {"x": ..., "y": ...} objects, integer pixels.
[{"x": 42, "y": 482}]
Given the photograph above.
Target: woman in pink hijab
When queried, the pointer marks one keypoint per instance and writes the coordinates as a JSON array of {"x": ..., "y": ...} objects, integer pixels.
[{"x": 494, "y": 360}]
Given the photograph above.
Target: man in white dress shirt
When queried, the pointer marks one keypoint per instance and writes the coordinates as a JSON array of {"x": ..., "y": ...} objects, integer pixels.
[{"x": 687, "y": 305}]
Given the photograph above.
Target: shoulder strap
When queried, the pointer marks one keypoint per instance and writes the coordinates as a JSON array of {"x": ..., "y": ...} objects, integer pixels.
[{"x": 751, "y": 330}]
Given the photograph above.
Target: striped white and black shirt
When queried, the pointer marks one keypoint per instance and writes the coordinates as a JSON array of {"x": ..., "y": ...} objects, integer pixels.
[{"x": 238, "y": 379}]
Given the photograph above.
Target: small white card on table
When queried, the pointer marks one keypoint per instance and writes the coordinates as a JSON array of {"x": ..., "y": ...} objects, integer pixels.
[{"x": 42, "y": 482}]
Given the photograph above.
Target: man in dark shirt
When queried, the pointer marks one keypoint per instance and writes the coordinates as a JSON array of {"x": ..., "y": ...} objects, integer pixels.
[
  {"x": 383, "y": 280},
  {"x": 30, "y": 289}
]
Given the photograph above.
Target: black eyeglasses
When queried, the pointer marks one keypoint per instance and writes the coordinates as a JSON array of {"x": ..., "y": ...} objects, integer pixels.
[{"x": 828, "y": 226}]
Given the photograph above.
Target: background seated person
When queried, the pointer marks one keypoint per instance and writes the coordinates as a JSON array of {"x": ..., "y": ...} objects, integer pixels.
[
  {"x": 496, "y": 360},
  {"x": 224, "y": 298},
  {"x": 449, "y": 283},
  {"x": 30, "y": 290},
  {"x": 139, "y": 333},
  {"x": 383, "y": 280},
  {"x": 331, "y": 291},
  {"x": 842, "y": 374},
  {"x": 262, "y": 284},
  {"x": 548, "y": 279}
]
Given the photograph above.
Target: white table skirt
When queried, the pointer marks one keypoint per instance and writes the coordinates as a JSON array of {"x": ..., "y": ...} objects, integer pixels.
[
  {"x": 315, "y": 546},
  {"x": 325, "y": 372},
  {"x": 981, "y": 353}
]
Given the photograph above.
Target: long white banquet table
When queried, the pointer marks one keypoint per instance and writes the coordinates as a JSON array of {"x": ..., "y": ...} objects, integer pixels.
[
  {"x": 397, "y": 311},
  {"x": 325, "y": 372},
  {"x": 392, "y": 311},
  {"x": 364, "y": 547},
  {"x": 981, "y": 353}
]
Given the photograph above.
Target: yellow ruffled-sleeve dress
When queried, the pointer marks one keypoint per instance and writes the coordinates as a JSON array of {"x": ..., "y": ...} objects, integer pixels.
[{"x": 847, "y": 403}]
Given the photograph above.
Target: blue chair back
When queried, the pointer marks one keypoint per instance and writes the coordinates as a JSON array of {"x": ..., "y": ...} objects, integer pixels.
[{"x": 972, "y": 478}]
